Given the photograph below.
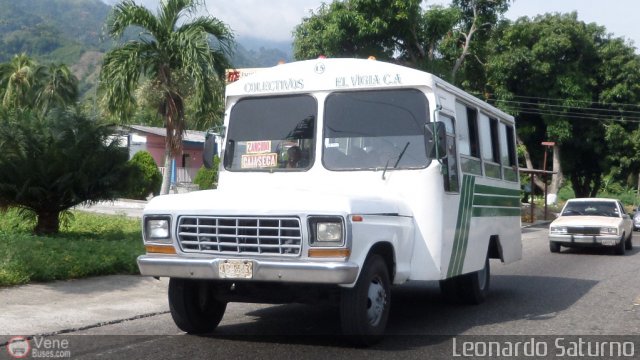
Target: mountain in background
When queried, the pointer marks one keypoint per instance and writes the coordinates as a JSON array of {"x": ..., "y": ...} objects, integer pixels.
[
  {"x": 253, "y": 52},
  {"x": 72, "y": 32}
]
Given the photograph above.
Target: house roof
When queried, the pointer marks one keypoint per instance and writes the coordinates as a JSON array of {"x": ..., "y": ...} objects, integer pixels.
[{"x": 189, "y": 135}]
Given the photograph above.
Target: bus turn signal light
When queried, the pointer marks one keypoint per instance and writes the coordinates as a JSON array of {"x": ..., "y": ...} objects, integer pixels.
[
  {"x": 160, "y": 249},
  {"x": 329, "y": 253}
]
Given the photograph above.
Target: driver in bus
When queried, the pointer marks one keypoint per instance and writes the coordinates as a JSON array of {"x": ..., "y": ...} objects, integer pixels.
[{"x": 294, "y": 158}]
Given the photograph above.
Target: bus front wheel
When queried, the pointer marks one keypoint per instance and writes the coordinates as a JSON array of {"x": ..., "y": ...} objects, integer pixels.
[
  {"x": 364, "y": 309},
  {"x": 193, "y": 305}
]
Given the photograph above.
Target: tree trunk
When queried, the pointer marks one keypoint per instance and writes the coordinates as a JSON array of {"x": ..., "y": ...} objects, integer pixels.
[
  {"x": 557, "y": 179},
  {"x": 48, "y": 223},
  {"x": 168, "y": 171},
  {"x": 527, "y": 159},
  {"x": 467, "y": 44}
]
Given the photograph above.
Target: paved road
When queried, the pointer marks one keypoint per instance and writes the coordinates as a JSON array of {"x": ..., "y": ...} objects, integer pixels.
[{"x": 576, "y": 292}]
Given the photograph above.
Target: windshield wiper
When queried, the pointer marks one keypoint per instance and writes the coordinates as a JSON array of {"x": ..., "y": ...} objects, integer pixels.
[{"x": 386, "y": 166}]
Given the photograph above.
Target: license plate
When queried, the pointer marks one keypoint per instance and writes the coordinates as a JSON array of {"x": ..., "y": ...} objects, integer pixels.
[
  {"x": 608, "y": 242},
  {"x": 236, "y": 269}
]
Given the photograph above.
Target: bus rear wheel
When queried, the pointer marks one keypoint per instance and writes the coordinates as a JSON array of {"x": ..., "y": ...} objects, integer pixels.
[
  {"x": 471, "y": 288},
  {"x": 193, "y": 305},
  {"x": 364, "y": 309}
]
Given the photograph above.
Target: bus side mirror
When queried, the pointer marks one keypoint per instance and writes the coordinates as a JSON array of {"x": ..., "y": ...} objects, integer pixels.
[
  {"x": 435, "y": 140},
  {"x": 210, "y": 150}
]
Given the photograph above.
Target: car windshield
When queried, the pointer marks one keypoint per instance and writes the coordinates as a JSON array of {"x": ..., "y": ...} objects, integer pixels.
[{"x": 592, "y": 208}]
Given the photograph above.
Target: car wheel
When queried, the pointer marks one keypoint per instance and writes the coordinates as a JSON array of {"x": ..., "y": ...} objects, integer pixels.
[
  {"x": 554, "y": 247},
  {"x": 364, "y": 309},
  {"x": 621, "y": 246},
  {"x": 193, "y": 306},
  {"x": 628, "y": 245}
]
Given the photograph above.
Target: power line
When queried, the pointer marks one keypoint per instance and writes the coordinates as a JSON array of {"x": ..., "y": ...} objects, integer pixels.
[
  {"x": 612, "y": 112},
  {"x": 563, "y": 100},
  {"x": 580, "y": 116}
]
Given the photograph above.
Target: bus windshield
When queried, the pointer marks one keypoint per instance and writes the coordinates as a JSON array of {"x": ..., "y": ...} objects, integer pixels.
[
  {"x": 271, "y": 134},
  {"x": 376, "y": 129}
]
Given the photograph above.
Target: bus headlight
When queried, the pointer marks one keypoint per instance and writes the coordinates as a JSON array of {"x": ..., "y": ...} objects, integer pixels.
[
  {"x": 157, "y": 228},
  {"x": 326, "y": 231}
]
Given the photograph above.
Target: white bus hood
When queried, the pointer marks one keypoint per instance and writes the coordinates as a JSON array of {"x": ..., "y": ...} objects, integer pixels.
[{"x": 236, "y": 202}]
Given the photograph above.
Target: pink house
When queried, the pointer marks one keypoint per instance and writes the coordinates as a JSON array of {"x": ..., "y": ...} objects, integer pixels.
[{"x": 152, "y": 139}]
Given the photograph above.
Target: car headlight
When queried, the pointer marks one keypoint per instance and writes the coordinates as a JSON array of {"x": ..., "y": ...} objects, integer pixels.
[
  {"x": 157, "y": 228},
  {"x": 326, "y": 231},
  {"x": 558, "y": 229},
  {"x": 609, "y": 231}
]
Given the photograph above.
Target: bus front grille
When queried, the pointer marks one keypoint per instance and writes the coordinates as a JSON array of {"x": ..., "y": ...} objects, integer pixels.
[{"x": 279, "y": 236}]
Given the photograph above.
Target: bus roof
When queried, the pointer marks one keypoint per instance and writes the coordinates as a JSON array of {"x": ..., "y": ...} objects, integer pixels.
[
  {"x": 341, "y": 74},
  {"x": 327, "y": 74}
]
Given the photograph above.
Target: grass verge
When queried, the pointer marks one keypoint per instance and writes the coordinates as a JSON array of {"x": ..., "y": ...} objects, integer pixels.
[{"x": 88, "y": 245}]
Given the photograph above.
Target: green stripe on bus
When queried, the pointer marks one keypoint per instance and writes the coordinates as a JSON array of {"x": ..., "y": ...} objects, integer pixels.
[
  {"x": 478, "y": 201},
  {"x": 461, "y": 236},
  {"x": 493, "y": 190},
  {"x": 495, "y": 211},
  {"x": 492, "y": 200}
]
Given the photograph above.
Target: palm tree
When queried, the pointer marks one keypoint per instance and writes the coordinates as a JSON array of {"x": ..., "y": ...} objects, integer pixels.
[
  {"x": 59, "y": 88},
  {"x": 19, "y": 80},
  {"x": 168, "y": 47},
  {"x": 24, "y": 84}
]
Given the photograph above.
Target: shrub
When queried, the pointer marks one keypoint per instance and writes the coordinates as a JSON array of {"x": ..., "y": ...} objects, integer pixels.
[
  {"x": 208, "y": 178},
  {"x": 51, "y": 163},
  {"x": 145, "y": 177}
]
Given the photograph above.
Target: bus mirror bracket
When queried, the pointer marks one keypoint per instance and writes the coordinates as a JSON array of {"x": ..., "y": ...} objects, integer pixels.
[
  {"x": 435, "y": 140},
  {"x": 210, "y": 149}
]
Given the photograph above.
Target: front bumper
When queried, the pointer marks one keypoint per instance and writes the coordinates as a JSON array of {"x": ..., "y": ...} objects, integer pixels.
[
  {"x": 602, "y": 240},
  {"x": 263, "y": 270}
]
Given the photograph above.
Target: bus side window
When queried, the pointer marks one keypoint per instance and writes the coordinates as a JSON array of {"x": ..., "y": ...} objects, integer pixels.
[
  {"x": 489, "y": 146},
  {"x": 508, "y": 153},
  {"x": 450, "y": 163},
  {"x": 469, "y": 145}
]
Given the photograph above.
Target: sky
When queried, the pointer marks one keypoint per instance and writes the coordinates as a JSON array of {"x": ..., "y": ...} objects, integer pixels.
[{"x": 275, "y": 19}]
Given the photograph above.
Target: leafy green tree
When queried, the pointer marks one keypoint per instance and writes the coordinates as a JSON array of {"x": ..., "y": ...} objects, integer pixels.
[
  {"x": 145, "y": 177},
  {"x": 561, "y": 76},
  {"x": 170, "y": 45},
  {"x": 362, "y": 28},
  {"x": 477, "y": 19},
  {"x": 437, "y": 39},
  {"x": 52, "y": 163}
]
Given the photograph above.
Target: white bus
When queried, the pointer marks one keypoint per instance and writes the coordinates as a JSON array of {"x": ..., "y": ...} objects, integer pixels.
[{"x": 339, "y": 178}]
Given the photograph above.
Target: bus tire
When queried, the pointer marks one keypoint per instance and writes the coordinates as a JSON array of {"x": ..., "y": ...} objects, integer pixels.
[
  {"x": 471, "y": 288},
  {"x": 193, "y": 306},
  {"x": 364, "y": 309}
]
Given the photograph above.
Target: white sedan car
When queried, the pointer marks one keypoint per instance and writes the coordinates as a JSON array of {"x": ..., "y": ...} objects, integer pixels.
[{"x": 592, "y": 222}]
